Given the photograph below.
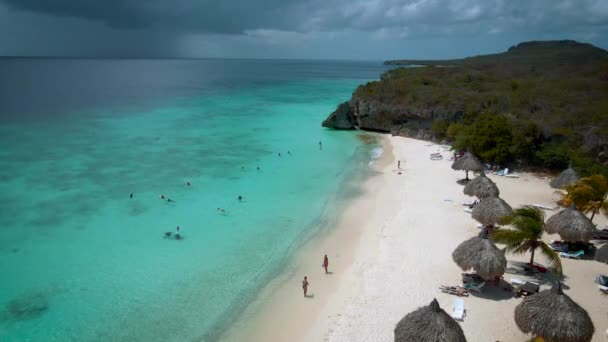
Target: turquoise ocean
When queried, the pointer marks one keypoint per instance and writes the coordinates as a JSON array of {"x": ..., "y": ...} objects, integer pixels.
[{"x": 82, "y": 260}]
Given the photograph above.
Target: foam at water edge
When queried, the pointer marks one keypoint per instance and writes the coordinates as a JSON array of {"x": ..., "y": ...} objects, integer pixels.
[{"x": 375, "y": 154}]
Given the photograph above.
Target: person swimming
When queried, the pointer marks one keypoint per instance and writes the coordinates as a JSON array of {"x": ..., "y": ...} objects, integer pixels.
[
  {"x": 240, "y": 198},
  {"x": 279, "y": 154},
  {"x": 162, "y": 196},
  {"x": 289, "y": 152},
  {"x": 170, "y": 200},
  {"x": 188, "y": 183},
  {"x": 259, "y": 168},
  {"x": 320, "y": 146},
  {"x": 131, "y": 196}
]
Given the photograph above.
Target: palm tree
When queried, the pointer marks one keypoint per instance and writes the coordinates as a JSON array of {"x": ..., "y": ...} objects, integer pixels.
[
  {"x": 589, "y": 194},
  {"x": 527, "y": 236}
]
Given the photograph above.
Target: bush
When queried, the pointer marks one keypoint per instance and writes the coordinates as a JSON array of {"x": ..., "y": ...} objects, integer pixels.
[
  {"x": 491, "y": 138},
  {"x": 440, "y": 128},
  {"x": 554, "y": 156}
]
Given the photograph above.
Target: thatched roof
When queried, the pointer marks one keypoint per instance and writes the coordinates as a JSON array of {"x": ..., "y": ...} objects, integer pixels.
[
  {"x": 467, "y": 162},
  {"x": 571, "y": 225},
  {"x": 567, "y": 177},
  {"x": 491, "y": 210},
  {"x": 481, "y": 187},
  {"x": 428, "y": 324},
  {"x": 601, "y": 254},
  {"x": 482, "y": 255},
  {"x": 554, "y": 316}
]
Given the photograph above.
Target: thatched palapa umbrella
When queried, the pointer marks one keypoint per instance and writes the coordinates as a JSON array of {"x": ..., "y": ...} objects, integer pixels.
[
  {"x": 481, "y": 187},
  {"x": 482, "y": 255},
  {"x": 428, "y": 324},
  {"x": 567, "y": 177},
  {"x": 601, "y": 254},
  {"x": 491, "y": 210},
  {"x": 552, "y": 315},
  {"x": 467, "y": 162},
  {"x": 571, "y": 225}
]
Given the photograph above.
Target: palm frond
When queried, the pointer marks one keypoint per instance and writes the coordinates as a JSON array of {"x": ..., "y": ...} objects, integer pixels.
[{"x": 555, "y": 262}]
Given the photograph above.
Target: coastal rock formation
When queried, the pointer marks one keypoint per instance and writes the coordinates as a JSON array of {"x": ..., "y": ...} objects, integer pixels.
[
  {"x": 341, "y": 118},
  {"x": 385, "y": 117}
]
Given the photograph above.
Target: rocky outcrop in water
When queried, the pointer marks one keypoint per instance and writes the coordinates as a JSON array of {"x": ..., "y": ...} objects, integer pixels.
[
  {"x": 382, "y": 117},
  {"x": 341, "y": 118}
]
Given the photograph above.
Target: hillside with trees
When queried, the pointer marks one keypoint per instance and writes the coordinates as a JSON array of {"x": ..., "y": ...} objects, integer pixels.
[{"x": 539, "y": 104}]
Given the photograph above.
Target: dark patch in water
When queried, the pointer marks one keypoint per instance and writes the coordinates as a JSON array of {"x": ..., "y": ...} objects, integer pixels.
[
  {"x": 25, "y": 307},
  {"x": 367, "y": 139},
  {"x": 136, "y": 210}
]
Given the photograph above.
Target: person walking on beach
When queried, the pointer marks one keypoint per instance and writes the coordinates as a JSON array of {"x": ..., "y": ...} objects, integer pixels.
[
  {"x": 325, "y": 263},
  {"x": 305, "y": 285},
  {"x": 399, "y": 164}
]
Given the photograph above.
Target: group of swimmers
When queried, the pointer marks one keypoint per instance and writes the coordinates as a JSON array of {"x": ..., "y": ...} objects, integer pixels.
[
  {"x": 223, "y": 211},
  {"x": 305, "y": 282}
]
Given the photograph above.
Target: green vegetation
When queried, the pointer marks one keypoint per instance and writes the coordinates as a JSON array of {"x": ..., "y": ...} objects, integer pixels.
[
  {"x": 589, "y": 194},
  {"x": 541, "y": 104},
  {"x": 527, "y": 236}
]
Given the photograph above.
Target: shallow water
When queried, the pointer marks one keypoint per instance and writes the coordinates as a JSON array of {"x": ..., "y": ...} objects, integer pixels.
[{"x": 81, "y": 260}]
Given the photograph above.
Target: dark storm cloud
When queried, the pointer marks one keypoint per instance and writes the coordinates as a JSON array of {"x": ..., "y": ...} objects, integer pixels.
[
  {"x": 292, "y": 28},
  {"x": 236, "y": 16},
  {"x": 228, "y": 16}
]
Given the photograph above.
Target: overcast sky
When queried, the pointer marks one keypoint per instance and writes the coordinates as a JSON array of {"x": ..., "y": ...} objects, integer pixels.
[{"x": 326, "y": 29}]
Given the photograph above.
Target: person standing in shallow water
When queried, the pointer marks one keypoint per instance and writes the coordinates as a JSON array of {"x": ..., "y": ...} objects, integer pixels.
[
  {"x": 320, "y": 146},
  {"x": 305, "y": 286},
  {"x": 325, "y": 263}
]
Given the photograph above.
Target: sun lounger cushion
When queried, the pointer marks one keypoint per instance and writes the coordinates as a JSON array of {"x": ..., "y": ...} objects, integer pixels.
[
  {"x": 576, "y": 255},
  {"x": 458, "y": 310},
  {"x": 515, "y": 281}
]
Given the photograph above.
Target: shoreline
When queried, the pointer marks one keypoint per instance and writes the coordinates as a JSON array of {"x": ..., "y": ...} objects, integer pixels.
[
  {"x": 391, "y": 249},
  {"x": 281, "y": 303}
]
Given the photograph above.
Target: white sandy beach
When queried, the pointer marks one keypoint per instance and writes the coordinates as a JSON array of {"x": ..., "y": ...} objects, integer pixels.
[{"x": 389, "y": 252}]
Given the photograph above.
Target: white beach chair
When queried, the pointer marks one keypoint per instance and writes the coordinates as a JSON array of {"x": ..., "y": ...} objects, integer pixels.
[
  {"x": 503, "y": 172},
  {"x": 468, "y": 210},
  {"x": 458, "y": 311},
  {"x": 603, "y": 288},
  {"x": 515, "y": 281},
  {"x": 542, "y": 206},
  {"x": 475, "y": 287}
]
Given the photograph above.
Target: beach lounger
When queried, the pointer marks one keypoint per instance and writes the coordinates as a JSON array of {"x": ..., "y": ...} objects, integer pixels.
[
  {"x": 458, "y": 311},
  {"x": 512, "y": 176},
  {"x": 534, "y": 268},
  {"x": 603, "y": 288},
  {"x": 575, "y": 255},
  {"x": 471, "y": 278},
  {"x": 474, "y": 287},
  {"x": 527, "y": 289},
  {"x": 542, "y": 206},
  {"x": 600, "y": 235},
  {"x": 602, "y": 280},
  {"x": 468, "y": 210},
  {"x": 455, "y": 290},
  {"x": 515, "y": 281}
]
